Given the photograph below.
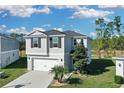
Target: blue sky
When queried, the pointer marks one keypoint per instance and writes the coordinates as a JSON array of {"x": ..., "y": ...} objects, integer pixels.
[{"x": 24, "y": 19}]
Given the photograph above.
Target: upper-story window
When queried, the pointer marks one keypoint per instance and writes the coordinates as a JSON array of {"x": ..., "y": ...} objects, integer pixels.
[
  {"x": 75, "y": 42},
  {"x": 36, "y": 42},
  {"x": 55, "y": 42}
]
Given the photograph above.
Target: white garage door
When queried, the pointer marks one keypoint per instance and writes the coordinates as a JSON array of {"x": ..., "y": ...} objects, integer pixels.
[{"x": 44, "y": 64}]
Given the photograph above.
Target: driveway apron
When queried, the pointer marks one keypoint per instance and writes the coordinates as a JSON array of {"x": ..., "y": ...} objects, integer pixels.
[{"x": 32, "y": 79}]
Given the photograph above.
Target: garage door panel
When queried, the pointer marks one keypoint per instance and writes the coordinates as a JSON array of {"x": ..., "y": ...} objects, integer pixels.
[{"x": 44, "y": 64}]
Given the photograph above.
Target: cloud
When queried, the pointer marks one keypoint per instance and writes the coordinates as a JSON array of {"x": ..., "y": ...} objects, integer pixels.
[
  {"x": 83, "y": 12},
  {"x": 21, "y": 30},
  {"x": 38, "y": 28},
  {"x": 23, "y": 10},
  {"x": 90, "y": 13},
  {"x": 111, "y": 6},
  {"x": 46, "y": 25},
  {"x": 59, "y": 29},
  {"x": 2, "y": 28},
  {"x": 93, "y": 34},
  {"x": 75, "y": 7}
]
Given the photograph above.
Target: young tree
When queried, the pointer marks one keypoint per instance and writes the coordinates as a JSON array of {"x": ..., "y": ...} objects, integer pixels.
[
  {"x": 109, "y": 34},
  {"x": 79, "y": 56},
  {"x": 100, "y": 35},
  {"x": 58, "y": 72}
]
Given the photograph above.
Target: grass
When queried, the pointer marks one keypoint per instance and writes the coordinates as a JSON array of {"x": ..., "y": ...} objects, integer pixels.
[
  {"x": 13, "y": 71},
  {"x": 102, "y": 72}
]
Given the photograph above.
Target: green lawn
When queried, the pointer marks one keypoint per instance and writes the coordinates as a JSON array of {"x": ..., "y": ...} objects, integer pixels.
[
  {"x": 102, "y": 72},
  {"x": 14, "y": 70}
]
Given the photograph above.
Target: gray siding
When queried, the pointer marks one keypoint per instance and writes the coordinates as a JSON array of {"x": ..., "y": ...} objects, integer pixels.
[
  {"x": 8, "y": 58},
  {"x": 68, "y": 44},
  {"x": 7, "y": 44}
]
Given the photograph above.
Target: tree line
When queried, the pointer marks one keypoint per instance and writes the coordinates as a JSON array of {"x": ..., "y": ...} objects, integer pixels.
[{"x": 109, "y": 36}]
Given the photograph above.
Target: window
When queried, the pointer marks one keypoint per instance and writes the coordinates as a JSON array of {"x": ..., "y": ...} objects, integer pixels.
[
  {"x": 55, "y": 42},
  {"x": 36, "y": 42},
  {"x": 75, "y": 41}
]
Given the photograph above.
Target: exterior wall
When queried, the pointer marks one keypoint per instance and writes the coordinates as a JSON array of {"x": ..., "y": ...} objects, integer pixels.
[
  {"x": 68, "y": 44},
  {"x": 68, "y": 47},
  {"x": 68, "y": 61},
  {"x": 87, "y": 44},
  {"x": 37, "y": 51},
  {"x": 120, "y": 67},
  {"x": 30, "y": 58},
  {"x": 9, "y": 51},
  {"x": 8, "y": 57},
  {"x": 44, "y": 52},
  {"x": 7, "y": 44}
]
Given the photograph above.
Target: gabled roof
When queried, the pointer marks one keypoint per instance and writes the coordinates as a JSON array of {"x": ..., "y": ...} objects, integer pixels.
[
  {"x": 73, "y": 33},
  {"x": 36, "y": 31}
]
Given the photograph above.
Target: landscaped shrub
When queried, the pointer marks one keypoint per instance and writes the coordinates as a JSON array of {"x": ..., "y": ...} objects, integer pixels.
[{"x": 118, "y": 79}]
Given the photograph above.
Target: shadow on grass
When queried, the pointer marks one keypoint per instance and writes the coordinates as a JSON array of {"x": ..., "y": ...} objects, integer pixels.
[
  {"x": 74, "y": 81},
  {"x": 98, "y": 66},
  {"x": 21, "y": 63}
]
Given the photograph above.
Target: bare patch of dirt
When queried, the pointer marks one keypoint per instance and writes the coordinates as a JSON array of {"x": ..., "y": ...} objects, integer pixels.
[{"x": 57, "y": 84}]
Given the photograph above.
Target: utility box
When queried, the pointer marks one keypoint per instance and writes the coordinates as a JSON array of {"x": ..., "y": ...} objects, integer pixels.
[{"x": 120, "y": 66}]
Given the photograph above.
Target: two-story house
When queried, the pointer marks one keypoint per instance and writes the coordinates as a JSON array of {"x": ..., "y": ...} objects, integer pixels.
[
  {"x": 9, "y": 50},
  {"x": 45, "y": 49}
]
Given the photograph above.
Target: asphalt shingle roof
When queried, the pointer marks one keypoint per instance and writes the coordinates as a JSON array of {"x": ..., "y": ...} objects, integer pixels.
[
  {"x": 73, "y": 33},
  {"x": 70, "y": 33},
  {"x": 54, "y": 32}
]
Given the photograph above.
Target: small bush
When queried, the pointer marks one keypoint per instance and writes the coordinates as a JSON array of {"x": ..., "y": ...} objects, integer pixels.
[{"x": 118, "y": 79}]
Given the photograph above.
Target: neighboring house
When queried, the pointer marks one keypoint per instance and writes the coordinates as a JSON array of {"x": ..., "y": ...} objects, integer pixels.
[
  {"x": 46, "y": 49},
  {"x": 9, "y": 50},
  {"x": 119, "y": 66}
]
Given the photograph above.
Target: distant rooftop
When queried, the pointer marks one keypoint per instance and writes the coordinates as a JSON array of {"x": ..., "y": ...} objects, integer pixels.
[{"x": 7, "y": 36}]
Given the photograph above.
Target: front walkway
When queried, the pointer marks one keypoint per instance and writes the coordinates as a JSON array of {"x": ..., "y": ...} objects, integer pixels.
[{"x": 32, "y": 79}]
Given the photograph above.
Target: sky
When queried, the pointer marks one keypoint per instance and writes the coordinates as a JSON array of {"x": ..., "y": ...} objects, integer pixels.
[{"x": 25, "y": 18}]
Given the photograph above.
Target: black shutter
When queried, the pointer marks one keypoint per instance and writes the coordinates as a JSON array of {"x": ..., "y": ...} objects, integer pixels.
[
  {"x": 39, "y": 42},
  {"x": 31, "y": 42},
  {"x": 50, "y": 42},
  {"x": 75, "y": 42},
  {"x": 59, "y": 43}
]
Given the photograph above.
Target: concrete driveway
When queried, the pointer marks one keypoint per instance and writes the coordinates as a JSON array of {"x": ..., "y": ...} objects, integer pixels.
[{"x": 32, "y": 79}]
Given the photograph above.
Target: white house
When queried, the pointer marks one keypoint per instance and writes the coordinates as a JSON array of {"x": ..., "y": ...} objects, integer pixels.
[
  {"x": 46, "y": 49},
  {"x": 9, "y": 50}
]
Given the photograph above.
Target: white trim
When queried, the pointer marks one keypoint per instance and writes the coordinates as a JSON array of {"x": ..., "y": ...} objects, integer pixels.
[
  {"x": 42, "y": 54},
  {"x": 9, "y": 51}
]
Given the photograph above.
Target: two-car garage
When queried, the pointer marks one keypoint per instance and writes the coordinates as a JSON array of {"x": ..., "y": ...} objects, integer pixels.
[{"x": 44, "y": 64}]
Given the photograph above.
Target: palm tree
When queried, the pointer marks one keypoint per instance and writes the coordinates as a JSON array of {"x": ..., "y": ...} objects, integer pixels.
[{"x": 58, "y": 72}]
